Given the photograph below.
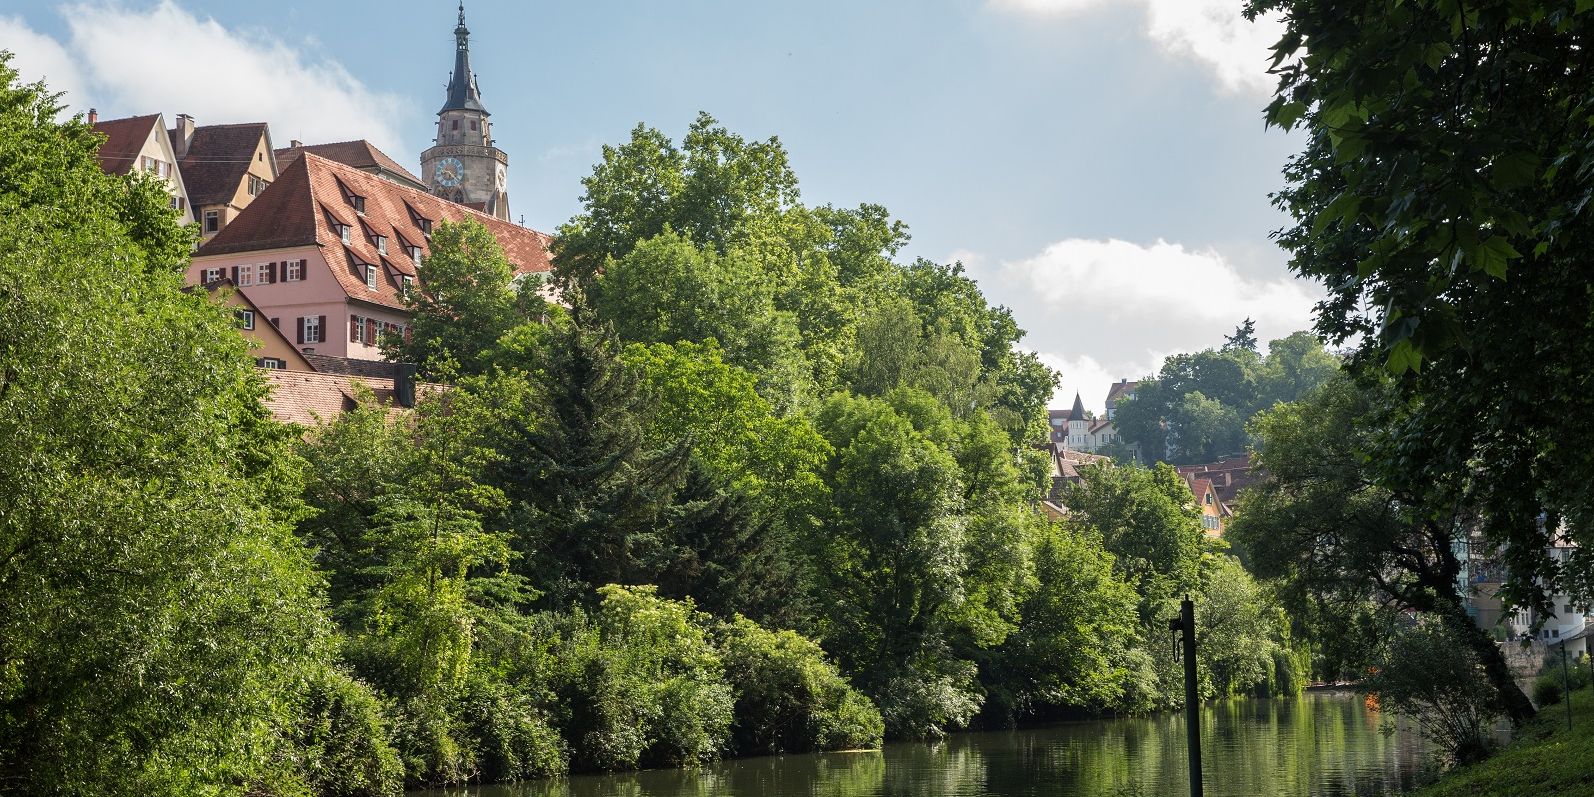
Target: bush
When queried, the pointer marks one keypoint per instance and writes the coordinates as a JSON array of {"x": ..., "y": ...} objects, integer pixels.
[
  {"x": 642, "y": 685},
  {"x": 428, "y": 741},
  {"x": 342, "y": 736},
  {"x": 789, "y": 697},
  {"x": 1430, "y": 676},
  {"x": 511, "y": 738},
  {"x": 926, "y": 698},
  {"x": 1547, "y": 690}
]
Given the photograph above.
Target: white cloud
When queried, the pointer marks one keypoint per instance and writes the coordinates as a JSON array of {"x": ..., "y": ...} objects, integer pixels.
[
  {"x": 1213, "y": 32},
  {"x": 1163, "y": 280},
  {"x": 40, "y": 57},
  {"x": 127, "y": 64},
  {"x": 1104, "y": 310}
]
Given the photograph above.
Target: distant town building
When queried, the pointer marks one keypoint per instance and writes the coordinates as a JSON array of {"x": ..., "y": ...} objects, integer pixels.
[
  {"x": 140, "y": 143},
  {"x": 225, "y": 168},
  {"x": 361, "y": 154},
  {"x": 1080, "y": 430},
  {"x": 328, "y": 253}
]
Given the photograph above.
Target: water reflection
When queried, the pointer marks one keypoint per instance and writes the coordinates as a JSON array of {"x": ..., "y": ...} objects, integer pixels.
[{"x": 1321, "y": 745}]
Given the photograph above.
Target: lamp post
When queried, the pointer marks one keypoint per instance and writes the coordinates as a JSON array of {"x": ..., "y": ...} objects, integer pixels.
[{"x": 1184, "y": 629}]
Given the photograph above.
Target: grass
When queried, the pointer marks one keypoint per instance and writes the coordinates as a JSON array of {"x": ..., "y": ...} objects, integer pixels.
[{"x": 1544, "y": 759}]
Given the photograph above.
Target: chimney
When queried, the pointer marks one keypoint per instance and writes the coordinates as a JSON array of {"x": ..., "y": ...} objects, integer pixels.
[
  {"x": 185, "y": 134},
  {"x": 404, "y": 384},
  {"x": 94, "y": 116},
  {"x": 295, "y": 144}
]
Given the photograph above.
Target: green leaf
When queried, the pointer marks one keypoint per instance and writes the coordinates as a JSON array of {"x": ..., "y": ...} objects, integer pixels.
[
  {"x": 1288, "y": 114},
  {"x": 1515, "y": 169},
  {"x": 1403, "y": 357}
]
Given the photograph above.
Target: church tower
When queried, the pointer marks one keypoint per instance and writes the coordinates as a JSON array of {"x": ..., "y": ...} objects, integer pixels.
[{"x": 463, "y": 165}]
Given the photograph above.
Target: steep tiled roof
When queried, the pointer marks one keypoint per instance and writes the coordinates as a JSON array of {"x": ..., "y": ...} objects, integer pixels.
[
  {"x": 124, "y": 138},
  {"x": 313, "y": 195},
  {"x": 1119, "y": 389},
  {"x": 348, "y": 366},
  {"x": 361, "y": 154},
  {"x": 1099, "y": 424},
  {"x": 308, "y": 398},
  {"x": 217, "y": 159}
]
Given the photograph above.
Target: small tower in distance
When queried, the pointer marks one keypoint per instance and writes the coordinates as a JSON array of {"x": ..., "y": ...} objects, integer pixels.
[{"x": 463, "y": 165}]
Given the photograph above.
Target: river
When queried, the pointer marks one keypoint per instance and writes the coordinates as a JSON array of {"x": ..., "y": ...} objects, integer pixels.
[{"x": 1323, "y": 744}]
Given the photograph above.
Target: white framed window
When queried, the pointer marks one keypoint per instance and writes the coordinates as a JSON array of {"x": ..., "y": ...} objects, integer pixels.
[
  {"x": 271, "y": 363},
  {"x": 415, "y": 254},
  {"x": 246, "y": 275},
  {"x": 246, "y": 319},
  {"x": 370, "y": 277},
  {"x": 257, "y": 185},
  {"x": 210, "y": 275},
  {"x": 358, "y": 202},
  {"x": 406, "y": 285},
  {"x": 381, "y": 243},
  {"x": 343, "y": 233},
  {"x": 212, "y": 221},
  {"x": 293, "y": 271},
  {"x": 312, "y": 329}
]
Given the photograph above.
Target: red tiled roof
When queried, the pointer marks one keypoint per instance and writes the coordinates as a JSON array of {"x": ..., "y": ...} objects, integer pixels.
[
  {"x": 1097, "y": 426},
  {"x": 312, "y": 195},
  {"x": 1119, "y": 389},
  {"x": 309, "y": 398},
  {"x": 124, "y": 138},
  {"x": 217, "y": 159},
  {"x": 360, "y": 154}
]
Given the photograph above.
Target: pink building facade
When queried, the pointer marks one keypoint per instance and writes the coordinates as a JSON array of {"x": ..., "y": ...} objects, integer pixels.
[{"x": 328, "y": 253}]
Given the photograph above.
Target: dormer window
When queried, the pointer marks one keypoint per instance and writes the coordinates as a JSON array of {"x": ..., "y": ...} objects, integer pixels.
[
  {"x": 343, "y": 233},
  {"x": 381, "y": 243},
  {"x": 370, "y": 277},
  {"x": 406, "y": 284},
  {"x": 358, "y": 202},
  {"x": 415, "y": 254}
]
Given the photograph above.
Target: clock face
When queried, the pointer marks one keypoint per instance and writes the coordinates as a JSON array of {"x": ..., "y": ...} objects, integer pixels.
[
  {"x": 500, "y": 177},
  {"x": 450, "y": 172}
]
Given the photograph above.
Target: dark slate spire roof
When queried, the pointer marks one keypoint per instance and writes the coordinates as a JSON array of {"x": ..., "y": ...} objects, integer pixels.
[
  {"x": 462, "y": 92},
  {"x": 1078, "y": 413}
]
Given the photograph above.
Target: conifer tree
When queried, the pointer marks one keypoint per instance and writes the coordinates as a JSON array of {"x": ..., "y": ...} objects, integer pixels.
[{"x": 586, "y": 489}]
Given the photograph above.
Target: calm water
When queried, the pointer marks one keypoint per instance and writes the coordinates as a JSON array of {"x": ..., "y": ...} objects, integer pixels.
[{"x": 1322, "y": 745}]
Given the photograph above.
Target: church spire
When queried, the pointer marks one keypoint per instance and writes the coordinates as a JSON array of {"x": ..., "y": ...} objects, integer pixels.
[{"x": 463, "y": 95}]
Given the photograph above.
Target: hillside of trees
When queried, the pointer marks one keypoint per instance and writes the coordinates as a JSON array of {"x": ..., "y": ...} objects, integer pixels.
[{"x": 755, "y": 486}]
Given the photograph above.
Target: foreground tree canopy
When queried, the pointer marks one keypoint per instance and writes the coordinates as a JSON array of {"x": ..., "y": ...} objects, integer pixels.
[
  {"x": 758, "y": 488},
  {"x": 1442, "y": 199}
]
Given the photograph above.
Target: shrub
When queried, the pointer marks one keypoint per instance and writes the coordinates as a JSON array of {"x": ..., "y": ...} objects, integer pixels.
[
  {"x": 1436, "y": 680},
  {"x": 925, "y": 698},
  {"x": 789, "y": 697},
  {"x": 1547, "y": 690},
  {"x": 642, "y": 685},
  {"x": 342, "y": 736},
  {"x": 428, "y": 741},
  {"x": 511, "y": 737}
]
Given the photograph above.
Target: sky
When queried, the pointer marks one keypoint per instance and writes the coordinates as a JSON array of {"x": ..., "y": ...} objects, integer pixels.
[{"x": 1101, "y": 167}]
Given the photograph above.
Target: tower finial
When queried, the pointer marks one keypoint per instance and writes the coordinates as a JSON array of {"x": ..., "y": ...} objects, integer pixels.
[{"x": 462, "y": 13}]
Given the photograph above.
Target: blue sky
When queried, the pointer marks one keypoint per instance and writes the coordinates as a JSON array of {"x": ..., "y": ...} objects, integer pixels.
[{"x": 1100, "y": 165}]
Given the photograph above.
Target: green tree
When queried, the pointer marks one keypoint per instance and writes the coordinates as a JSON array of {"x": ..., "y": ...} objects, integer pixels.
[
  {"x": 587, "y": 491},
  {"x": 1148, "y": 520},
  {"x": 1438, "y": 197},
  {"x": 465, "y": 302},
  {"x": 159, "y": 623},
  {"x": 1244, "y": 337},
  {"x": 1323, "y": 526},
  {"x": 890, "y": 563}
]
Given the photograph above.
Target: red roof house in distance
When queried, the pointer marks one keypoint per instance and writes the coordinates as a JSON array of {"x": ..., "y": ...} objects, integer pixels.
[
  {"x": 328, "y": 250},
  {"x": 139, "y": 143}
]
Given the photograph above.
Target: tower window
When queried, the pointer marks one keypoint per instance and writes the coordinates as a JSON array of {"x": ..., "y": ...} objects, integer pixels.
[
  {"x": 473, "y": 124},
  {"x": 456, "y": 124}
]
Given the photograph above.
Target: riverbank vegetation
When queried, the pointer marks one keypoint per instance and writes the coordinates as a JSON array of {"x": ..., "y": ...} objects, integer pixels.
[
  {"x": 757, "y": 486},
  {"x": 1543, "y": 759}
]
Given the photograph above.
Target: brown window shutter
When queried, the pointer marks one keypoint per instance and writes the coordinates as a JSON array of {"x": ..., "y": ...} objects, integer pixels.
[
  {"x": 324, "y": 336},
  {"x": 235, "y": 275},
  {"x": 406, "y": 334},
  {"x": 370, "y": 330},
  {"x": 271, "y": 272},
  {"x": 301, "y": 329},
  {"x": 354, "y": 329},
  {"x": 304, "y": 271}
]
